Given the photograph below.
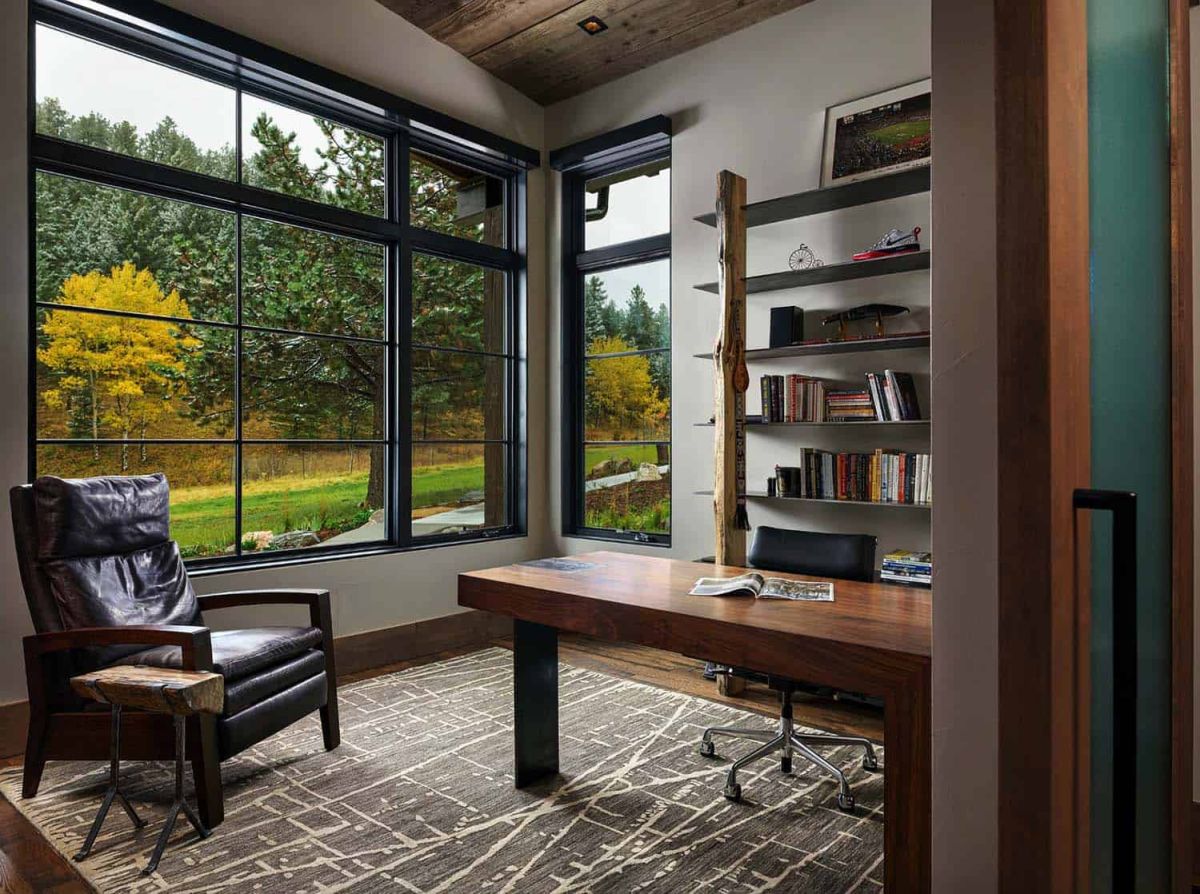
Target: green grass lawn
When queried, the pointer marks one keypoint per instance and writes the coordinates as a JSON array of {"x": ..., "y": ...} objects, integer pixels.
[
  {"x": 202, "y": 517},
  {"x": 895, "y": 134},
  {"x": 637, "y": 454}
]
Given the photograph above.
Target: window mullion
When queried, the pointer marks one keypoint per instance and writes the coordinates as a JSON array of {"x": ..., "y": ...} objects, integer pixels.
[{"x": 400, "y": 301}]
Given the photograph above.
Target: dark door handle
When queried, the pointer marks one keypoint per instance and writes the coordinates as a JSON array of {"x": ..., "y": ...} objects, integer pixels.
[{"x": 1123, "y": 506}]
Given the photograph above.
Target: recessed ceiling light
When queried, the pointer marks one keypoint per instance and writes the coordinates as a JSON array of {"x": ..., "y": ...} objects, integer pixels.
[{"x": 593, "y": 25}]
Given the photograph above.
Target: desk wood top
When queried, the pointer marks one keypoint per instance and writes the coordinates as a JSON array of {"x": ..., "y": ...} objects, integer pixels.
[{"x": 872, "y": 616}]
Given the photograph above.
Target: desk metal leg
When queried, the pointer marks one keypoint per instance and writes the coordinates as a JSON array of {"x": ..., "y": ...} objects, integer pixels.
[
  {"x": 535, "y": 701},
  {"x": 113, "y": 792}
]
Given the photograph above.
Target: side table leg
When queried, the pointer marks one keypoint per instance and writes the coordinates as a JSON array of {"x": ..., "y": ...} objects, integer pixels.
[
  {"x": 113, "y": 791},
  {"x": 180, "y": 805}
]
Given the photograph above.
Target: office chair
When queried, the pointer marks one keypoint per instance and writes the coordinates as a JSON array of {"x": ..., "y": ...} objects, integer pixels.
[{"x": 844, "y": 556}]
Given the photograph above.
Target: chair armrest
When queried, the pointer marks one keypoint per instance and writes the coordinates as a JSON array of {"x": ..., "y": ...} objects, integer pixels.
[
  {"x": 235, "y": 598},
  {"x": 195, "y": 642},
  {"x": 317, "y": 601}
]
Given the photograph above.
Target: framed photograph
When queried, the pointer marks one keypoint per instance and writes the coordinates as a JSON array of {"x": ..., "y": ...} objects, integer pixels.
[{"x": 880, "y": 134}]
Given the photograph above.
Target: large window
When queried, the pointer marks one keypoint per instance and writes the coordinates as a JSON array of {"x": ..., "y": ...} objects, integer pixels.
[
  {"x": 617, "y": 334},
  {"x": 255, "y": 280}
]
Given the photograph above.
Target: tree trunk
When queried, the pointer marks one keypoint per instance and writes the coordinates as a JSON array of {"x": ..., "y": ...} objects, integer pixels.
[{"x": 95, "y": 416}]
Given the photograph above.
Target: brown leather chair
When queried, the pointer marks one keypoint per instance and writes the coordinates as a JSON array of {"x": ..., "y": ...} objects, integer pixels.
[{"x": 106, "y": 585}]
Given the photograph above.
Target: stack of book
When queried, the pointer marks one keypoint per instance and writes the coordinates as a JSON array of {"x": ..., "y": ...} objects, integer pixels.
[
  {"x": 849, "y": 406},
  {"x": 893, "y": 396},
  {"x": 904, "y": 567},
  {"x": 885, "y": 476},
  {"x": 793, "y": 398}
]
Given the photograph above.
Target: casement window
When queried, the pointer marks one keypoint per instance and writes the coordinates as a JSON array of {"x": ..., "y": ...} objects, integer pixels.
[
  {"x": 616, "y": 299},
  {"x": 298, "y": 296}
]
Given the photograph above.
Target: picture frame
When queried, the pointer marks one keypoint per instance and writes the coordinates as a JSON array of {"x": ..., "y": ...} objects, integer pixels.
[{"x": 879, "y": 134}]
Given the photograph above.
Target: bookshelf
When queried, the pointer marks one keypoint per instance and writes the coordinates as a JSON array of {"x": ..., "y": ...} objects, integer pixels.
[
  {"x": 850, "y": 346},
  {"x": 866, "y": 423},
  {"x": 833, "y": 198},
  {"x": 870, "y": 504},
  {"x": 733, "y": 359},
  {"x": 818, "y": 276}
]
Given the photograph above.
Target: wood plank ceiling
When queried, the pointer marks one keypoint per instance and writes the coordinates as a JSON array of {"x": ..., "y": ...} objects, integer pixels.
[{"x": 539, "y": 48}]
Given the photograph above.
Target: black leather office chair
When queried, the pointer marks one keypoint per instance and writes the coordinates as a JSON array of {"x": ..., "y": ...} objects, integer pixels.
[{"x": 836, "y": 556}]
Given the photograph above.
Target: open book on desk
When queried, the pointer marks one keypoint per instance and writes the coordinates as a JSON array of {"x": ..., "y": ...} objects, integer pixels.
[{"x": 760, "y": 587}]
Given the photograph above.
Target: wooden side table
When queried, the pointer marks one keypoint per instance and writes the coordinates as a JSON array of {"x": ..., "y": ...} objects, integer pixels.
[{"x": 164, "y": 691}]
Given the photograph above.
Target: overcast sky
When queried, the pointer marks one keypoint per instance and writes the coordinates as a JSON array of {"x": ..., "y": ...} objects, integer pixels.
[
  {"x": 636, "y": 209},
  {"x": 86, "y": 77}
]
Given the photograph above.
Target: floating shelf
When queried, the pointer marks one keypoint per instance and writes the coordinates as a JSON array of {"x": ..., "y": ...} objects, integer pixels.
[
  {"x": 854, "y": 346},
  {"x": 815, "y": 276},
  {"x": 831, "y": 198},
  {"x": 759, "y": 495},
  {"x": 866, "y": 422}
]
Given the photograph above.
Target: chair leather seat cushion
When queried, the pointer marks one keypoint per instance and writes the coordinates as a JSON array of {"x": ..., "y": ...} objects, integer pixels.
[
  {"x": 241, "y": 694},
  {"x": 239, "y": 653}
]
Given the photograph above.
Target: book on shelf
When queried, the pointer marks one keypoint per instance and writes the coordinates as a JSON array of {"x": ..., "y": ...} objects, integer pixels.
[
  {"x": 889, "y": 396},
  {"x": 793, "y": 398},
  {"x": 907, "y": 567},
  {"x": 885, "y": 476},
  {"x": 761, "y": 587},
  {"x": 893, "y": 396}
]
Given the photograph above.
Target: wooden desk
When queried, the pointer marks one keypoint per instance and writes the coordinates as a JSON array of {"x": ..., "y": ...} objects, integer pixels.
[{"x": 873, "y": 638}]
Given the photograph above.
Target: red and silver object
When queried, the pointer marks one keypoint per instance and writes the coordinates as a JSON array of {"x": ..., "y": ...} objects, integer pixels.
[{"x": 894, "y": 242}]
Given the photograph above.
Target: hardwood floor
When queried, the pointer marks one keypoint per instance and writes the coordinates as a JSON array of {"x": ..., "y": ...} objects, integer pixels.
[{"x": 28, "y": 863}]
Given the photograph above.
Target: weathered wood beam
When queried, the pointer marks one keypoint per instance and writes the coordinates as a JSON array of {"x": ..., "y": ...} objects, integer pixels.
[{"x": 731, "y": 378}]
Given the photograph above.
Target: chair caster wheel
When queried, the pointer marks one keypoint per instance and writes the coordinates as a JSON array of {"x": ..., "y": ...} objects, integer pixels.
[
  {"x": 846, "y": 802},
  {"x": 708, "y": 749},
  {"x": 733, "y": 792},
  {"x": 785, "y": 765},
  {"x": 870, "y": 764}
]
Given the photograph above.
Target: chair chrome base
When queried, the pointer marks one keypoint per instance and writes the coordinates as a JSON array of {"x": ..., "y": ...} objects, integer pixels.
[{"x": 790, "y": 742}]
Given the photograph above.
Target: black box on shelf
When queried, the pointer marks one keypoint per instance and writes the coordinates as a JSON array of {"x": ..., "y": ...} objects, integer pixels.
[{"x": 787, "y": 326}]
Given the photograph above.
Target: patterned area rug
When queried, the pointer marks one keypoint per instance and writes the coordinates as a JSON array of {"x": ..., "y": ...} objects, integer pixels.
[{"x": 419, "y": 798}]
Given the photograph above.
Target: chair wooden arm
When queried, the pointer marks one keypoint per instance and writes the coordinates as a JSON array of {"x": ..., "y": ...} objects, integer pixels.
[
  {"x": 234, "y": 598},
  {"x": 194, "y": 642},
  {"x": 317, "y": 601}
]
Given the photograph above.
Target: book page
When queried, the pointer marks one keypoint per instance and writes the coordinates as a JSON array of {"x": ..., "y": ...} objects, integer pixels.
[
  {"x": 797, "y": 590},
  {"x": 747, "y": 584}
]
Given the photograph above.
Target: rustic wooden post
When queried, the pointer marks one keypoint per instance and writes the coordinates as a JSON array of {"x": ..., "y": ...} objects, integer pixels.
[{"x": 731, "y": 376}]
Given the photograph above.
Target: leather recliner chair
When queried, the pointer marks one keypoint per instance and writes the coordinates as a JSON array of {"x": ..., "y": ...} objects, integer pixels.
[{"x": 106, "y": 585}]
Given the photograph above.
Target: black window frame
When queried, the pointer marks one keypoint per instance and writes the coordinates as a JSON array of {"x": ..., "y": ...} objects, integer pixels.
[
  {"x": 150, "y": 30},
  {"x": 628, "y": 147}
]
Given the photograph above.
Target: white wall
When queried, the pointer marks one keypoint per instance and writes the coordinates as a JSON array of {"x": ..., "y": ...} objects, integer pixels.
[
  {"x": 368, "y": 42},
  {"x": 754, "y": 102},
  {"x": 965, "y": 441}
]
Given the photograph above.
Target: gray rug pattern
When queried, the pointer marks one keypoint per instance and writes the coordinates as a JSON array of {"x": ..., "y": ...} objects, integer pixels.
[{"x": 419, "y": 798}]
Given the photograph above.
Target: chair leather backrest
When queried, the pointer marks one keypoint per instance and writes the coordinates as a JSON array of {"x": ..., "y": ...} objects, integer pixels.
[
  {"x": 100, "y": 516},
  {"x": 43, "y": 610},
  {"x": 843, "y": 556},
  {"x": 95, "y": 552}
]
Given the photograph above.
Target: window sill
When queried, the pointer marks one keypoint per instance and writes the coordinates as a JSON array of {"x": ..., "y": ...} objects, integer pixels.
[
  {"x": 283, "y": 560},
  {"x": 661, "y": 541}
]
